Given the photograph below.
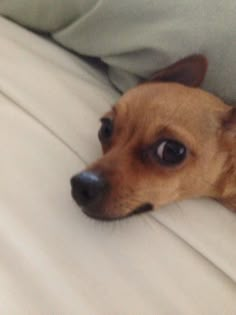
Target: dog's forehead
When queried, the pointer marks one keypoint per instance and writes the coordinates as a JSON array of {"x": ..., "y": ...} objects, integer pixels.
[{"x": 170, "y": 103}]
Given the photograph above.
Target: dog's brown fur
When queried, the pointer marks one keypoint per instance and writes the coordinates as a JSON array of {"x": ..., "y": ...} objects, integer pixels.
[{"x": 190, "y": 115}]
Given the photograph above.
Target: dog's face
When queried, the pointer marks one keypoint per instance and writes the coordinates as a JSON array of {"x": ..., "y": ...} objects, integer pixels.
[{"x": 162, "y": 142}]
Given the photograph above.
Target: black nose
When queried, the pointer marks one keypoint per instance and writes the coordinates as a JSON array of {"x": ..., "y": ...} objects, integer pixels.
[{"x": 88, "y": 188}]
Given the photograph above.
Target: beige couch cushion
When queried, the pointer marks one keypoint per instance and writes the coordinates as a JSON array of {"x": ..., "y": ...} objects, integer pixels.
[{"x": 54, "y": 260}]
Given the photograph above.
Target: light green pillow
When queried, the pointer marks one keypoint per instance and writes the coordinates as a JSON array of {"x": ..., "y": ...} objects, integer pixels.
[{"x": 137, "y": 38}]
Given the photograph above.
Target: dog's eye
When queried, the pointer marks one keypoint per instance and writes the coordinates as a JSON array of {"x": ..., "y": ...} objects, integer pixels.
[
  {"x": 106, "y": 130},
  {"x": 170, "y": 152}
]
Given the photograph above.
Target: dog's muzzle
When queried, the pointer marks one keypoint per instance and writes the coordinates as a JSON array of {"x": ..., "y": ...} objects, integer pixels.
[{"x": 90, "y": 190}]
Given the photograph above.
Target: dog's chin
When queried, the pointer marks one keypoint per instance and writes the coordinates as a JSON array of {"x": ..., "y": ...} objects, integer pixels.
[{"x": 108, "y": 216}]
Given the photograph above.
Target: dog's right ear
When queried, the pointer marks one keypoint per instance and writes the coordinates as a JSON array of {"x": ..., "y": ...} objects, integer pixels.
[{"x": 189, "y": 71}]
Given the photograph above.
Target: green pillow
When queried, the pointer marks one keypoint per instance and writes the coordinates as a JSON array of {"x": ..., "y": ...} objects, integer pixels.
[{"x": 137, "y": 38}]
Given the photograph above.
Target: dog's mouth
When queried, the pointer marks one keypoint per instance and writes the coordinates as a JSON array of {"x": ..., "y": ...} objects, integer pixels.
[{"x": 146, "y": 207}]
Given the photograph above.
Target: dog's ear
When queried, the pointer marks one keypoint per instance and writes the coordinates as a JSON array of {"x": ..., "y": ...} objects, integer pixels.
[{"x": 189, "y": 71}]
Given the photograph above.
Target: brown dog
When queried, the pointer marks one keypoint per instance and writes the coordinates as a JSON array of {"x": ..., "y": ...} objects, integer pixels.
[{"x": 162, "y": 142}]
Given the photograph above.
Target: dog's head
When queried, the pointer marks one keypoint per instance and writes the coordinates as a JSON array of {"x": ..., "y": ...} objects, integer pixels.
[{"x": 162, "y": 142}]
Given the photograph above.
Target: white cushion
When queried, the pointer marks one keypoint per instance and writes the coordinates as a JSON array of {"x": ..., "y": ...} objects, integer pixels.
[{"x": 54, "y": 260}]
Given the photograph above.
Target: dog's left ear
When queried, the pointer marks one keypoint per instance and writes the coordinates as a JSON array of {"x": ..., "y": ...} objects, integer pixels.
[{"x": 189, "y": 71}]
